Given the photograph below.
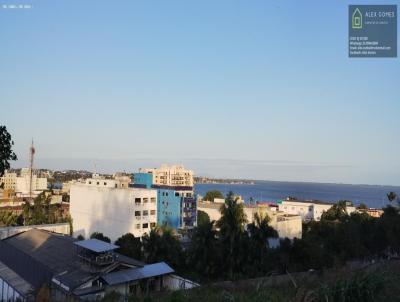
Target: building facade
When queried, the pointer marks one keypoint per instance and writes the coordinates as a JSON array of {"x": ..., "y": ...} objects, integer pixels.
[
  {"x": 111, "y": 210},
  {"x": 174, "y": 176},
  {"x": 176, "y": 204}
]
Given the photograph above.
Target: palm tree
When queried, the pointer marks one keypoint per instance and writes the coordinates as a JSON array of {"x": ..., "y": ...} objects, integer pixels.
[
  {"x": 151, "y": 244},
  {"x": 203, "y": 249},
  {"x": 130, "y": 246},
  {"x": 337, "y": 212},
  {"x": 231, "y": 226},
  {"x": 260, "y": 230},
  {"x": 162, "y": 245},
  {"x": 392, "y": 196}
]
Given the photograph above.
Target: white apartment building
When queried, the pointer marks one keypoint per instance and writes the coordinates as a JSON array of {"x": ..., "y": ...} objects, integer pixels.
[
  {"x": 112, "y": 211},
  {"x": 100, "y": 181},
  {"x": 22, "y": 184},
  {"x": 170, "y": 176},
  {"x": 308, "y": 210},
  {"x": 287, "y": 226}
]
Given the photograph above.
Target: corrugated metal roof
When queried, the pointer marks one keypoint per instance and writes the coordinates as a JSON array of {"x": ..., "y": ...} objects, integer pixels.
[
  {"x": 96, "y": 245},
  {"x": 19, "y": 284},
  {"x": 147, "y": 271}
]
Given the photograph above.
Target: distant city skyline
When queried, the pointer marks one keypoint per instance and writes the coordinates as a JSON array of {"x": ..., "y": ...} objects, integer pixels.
[{"x": 260, "y": 90}]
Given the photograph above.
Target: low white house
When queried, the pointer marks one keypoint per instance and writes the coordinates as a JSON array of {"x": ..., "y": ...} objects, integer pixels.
[
  {"x": 112, "y": 211},
  {"x": 308, "y": 210}
]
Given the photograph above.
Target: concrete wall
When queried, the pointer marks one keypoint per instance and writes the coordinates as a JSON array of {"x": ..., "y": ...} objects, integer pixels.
[
  {"x": 112, "y": 211},
  {"x": 288, "y": 227},
  {"x": 62, "y": 228},
  {"x": 211, "y": 209},
  {"x": 174, "y": 282}
]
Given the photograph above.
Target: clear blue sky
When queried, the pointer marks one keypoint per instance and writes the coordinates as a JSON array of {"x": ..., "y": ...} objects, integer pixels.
[{"x": 254, "y": 89}]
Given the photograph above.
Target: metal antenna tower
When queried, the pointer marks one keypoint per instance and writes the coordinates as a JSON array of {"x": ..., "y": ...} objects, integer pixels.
[{"x": 31, "y": 157}]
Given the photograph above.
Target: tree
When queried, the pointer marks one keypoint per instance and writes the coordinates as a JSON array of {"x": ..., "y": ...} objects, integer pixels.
[
  {"x": 6, "y": 152},
  {"x": 7, "y": 218},
  {"x": 211, "y": 195},
  {"x": 259, "y": 232},
  {"x": 231, "y": 226},
  {"x": 337, "y": 211},
  {"x": 80, "y": 237},
  {"x": 362, "y": 206},
  {"x": 130, "y": 246},
  {"x": 392, "y": 196},
  {"x": 252, "y": 201},
  {"x": 202, "y": 218},
  {"x": 100, "y": 236},
  {"x": 44, "y": 294},
  {"x": 202, "y": 253},
  {"x": 162, "y": 245}
]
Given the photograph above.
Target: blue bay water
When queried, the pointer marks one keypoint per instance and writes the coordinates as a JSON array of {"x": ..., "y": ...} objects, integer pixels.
[{"x": 372, "y": 196}]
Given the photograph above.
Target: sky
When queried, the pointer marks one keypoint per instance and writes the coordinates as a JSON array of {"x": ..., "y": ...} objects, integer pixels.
[{"x": 240, "y": 89}]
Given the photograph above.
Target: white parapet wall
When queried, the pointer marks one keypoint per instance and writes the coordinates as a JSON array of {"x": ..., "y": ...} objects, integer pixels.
[
  {"x": 61, "y": 228},
  {"x": 174, "y": 282}
]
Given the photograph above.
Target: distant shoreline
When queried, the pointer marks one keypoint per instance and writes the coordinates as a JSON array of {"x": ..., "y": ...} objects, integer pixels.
[{"x": 208, "y": 180}]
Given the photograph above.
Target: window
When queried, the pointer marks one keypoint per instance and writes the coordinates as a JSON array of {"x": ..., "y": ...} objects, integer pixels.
[
  {"x": 166, "y": 193},
  {"x": 153, "y": 199},
  {"x": 90, "y": 182},
  {"x": 137, "y": 200},
  {"x": 138, "y": 226},
  {"x": 137, "y": 213},
  {"x": 98, "y": 183},
  {"x": 188, "y": 194},
  {"x": 153, "y": 212},
  {"x": 145, "y": 200},
  {"x": 152, "y": 224},
  {"x": 105, "y": 183},
  {"x": 145, "y": 225},
  {"x": 146, "y": 213},
  {"x": 176, "y": 193}
]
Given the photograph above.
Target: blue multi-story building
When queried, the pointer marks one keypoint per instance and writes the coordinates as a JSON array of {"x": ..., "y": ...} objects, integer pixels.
[{"x": 176, "y": 205}]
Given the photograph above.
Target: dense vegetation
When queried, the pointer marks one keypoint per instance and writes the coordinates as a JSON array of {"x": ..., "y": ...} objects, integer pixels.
[
  {"x": 211, "y": 195},
  {"x": 6, "y": 152},
  {"x": 40, "y": 212},
  {"x": 375, "y": 283}
]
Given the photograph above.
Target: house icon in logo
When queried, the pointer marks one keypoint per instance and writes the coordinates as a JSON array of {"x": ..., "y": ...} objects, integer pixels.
[{"x": 356, "y": 19}]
